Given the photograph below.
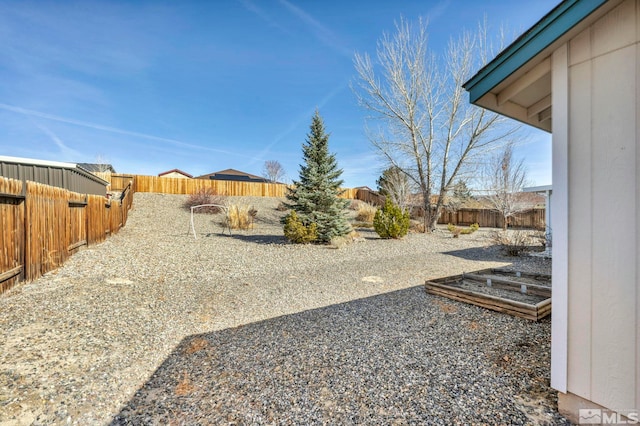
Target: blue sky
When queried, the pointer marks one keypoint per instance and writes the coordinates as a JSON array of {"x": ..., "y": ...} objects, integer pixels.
[{"x": 209, "y": 85}]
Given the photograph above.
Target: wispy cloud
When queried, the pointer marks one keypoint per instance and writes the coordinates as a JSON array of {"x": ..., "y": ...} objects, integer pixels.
[
  {"x": 260, "y": 13},
  {"x": 319, "y": 31},
  {"x": 62, "y": 36},
  {"x": 109, "y": 129},
  {"x": 65, "y": 151},
  {"x": 438, "y": 10}
]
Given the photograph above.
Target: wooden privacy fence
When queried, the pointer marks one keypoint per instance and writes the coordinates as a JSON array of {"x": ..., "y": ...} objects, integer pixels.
[
  {"x": 43, "y": 225},
  {"x": 369, "y": 196},
  {"x": 486, "y": 218},
  {"x": 12, "y": 232},
  {"x": 165, "y": 185}
]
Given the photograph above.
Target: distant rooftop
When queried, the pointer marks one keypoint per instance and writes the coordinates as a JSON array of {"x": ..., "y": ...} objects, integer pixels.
[
  {"x": 97, "y": 167},
  {"x": 233, "y": 175},
  {"x": 175, "y": 171}
]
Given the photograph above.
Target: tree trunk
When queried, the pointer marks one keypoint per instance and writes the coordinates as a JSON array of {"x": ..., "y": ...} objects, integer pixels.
[{"x": 433, "y": 220}]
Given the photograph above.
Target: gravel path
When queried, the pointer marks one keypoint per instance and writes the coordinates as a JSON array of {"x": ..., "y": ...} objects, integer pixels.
[{"x": 249, "y": 329}]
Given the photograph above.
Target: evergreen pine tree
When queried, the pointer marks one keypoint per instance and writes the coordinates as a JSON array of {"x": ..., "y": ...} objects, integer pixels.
[{"x": 315, "y": 196}]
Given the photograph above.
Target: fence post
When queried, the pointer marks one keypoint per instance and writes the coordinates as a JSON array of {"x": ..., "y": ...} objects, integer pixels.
[{"x": 23, "y": 274}]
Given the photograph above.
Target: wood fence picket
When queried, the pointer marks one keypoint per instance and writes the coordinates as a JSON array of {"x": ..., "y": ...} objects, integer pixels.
[{"x": 42, "y": 226}]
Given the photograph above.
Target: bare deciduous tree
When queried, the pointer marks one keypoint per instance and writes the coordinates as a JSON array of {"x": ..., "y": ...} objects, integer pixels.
[
  {"x": 506, "y": 177},
  {"x": 394, "y": 183},
  {"x": 273, "y": 171},
  {"x": 427, "y": 128},
  {"x": 102, "y": 163}
]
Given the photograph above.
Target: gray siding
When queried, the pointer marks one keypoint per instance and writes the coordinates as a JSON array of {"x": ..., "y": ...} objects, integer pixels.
[
  {"x": 603, "y": 175},
  {"x": 75, "y": 180}
]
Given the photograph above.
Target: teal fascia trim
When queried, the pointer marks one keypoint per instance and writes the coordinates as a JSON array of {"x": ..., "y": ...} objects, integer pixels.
[{"x": 556, "y": 23}]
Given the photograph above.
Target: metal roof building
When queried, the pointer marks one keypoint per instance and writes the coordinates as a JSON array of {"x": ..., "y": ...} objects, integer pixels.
[{"x": 54, "y": 173}]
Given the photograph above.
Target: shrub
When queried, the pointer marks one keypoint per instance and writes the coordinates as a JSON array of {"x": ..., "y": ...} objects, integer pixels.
[
  {"x": 391, "y": 221},
  {"x": 540, "y": 237},
  {"x": 240, "y": 217},
  {"x": 204, "y": 196},
  {"x": 456, "y": 231},
  {"x": 417, "y": 226},
  {"x": 366, "y": 212},
  {"x": 342, "y": 241},
  {"x": 296, "y": 232},
  {"x": 281, "y": 207},
  {"x": 253, "y": 213},
  {"x": 514, "y": 243}
]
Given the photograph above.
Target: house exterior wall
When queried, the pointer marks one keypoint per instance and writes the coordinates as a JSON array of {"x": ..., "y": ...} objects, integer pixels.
[
  {"x": 560, "y": 219},
  {"x": 601, "y": 133}
]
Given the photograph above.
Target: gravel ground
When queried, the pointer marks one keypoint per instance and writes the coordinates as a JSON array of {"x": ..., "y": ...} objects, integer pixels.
[{"x": 156, "y": 327}]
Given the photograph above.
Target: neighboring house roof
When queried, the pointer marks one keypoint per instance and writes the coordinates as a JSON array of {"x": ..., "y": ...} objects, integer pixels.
[
  {"x": 517, "y": 83},
  {"x": 96, "y": 167},
  {"x": 233, "y": 175},
  {"x": 539, "y": 189},
  {"x": 175, "y": 171}
]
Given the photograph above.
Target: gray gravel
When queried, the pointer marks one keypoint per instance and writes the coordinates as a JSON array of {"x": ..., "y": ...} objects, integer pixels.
[
  {"x": 81, "y": 344},
  {"x": 482, "y": 288}
]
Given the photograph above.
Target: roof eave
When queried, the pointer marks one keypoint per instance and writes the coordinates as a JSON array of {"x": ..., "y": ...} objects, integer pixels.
[{"x": 546, "y": 31}]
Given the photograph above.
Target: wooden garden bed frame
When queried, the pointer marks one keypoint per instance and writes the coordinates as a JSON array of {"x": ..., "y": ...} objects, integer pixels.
[{"x": 443, "y": 287}]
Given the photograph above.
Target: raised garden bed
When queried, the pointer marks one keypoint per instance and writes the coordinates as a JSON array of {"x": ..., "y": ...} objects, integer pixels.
[{"x": 519, "y": 294}]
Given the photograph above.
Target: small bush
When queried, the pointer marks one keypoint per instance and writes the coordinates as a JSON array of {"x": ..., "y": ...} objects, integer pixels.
[
  {"x": 540, "y": 237},
  {"x": 204, "y": 196},
  {"x": 417, "y": 226},
  {"x": 514, "y": 243},
  {"x": 344, "y": 240},
  {"x": 366, "y": 212},
  {"x": 296, "y": 232},
  {"x": 457, "y": 231},
  {"x": 454, "y": 230},
  {"x": 281, "y": 207},
  {"x": 391, "y": 221},
  {"x": 240, "y": 217},
  {"x": 253, "y": 213}
]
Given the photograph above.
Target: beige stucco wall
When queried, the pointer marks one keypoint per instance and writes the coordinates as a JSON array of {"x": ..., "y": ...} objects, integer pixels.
[
  {"x": 175, "y": 175},
  {"x": 602, "y": 68}
]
